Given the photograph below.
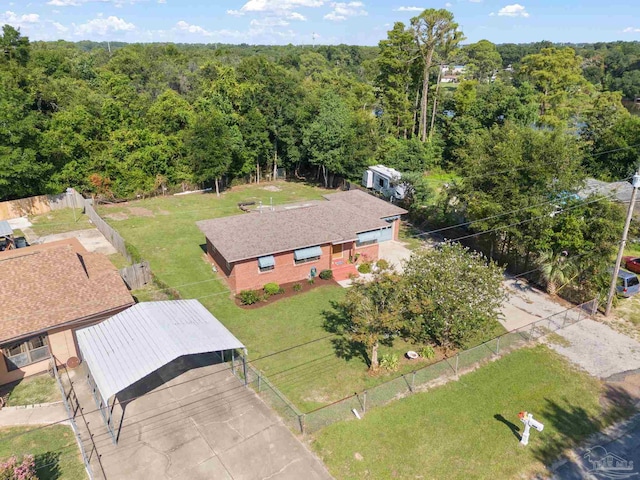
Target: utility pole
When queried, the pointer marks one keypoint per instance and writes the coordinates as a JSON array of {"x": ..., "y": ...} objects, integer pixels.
[{"x": 614, "y": 279}]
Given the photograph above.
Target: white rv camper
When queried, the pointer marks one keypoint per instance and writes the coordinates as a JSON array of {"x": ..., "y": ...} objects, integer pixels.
[{"x": 384, "y": 180}]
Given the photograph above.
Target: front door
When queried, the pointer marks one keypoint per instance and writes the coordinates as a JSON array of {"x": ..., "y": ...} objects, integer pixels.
[{"x": 336, "y": 251}]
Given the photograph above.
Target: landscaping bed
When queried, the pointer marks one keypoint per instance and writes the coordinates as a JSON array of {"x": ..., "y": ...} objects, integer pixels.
[{"x": 288, "y": 290}]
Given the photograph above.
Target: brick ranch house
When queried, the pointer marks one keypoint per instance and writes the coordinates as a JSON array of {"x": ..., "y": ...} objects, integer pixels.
[
  {"x": 283, "y": 245},
  {"x": 46, "y": 293}
]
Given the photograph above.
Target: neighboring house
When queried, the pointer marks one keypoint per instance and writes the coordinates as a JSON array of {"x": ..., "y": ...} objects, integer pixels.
[
  {"x": 385, "y": 180},
  {"x": 618, "y": 191},
  {"x": 285, "y": 244},
  {"x": 47, "y": 292}
]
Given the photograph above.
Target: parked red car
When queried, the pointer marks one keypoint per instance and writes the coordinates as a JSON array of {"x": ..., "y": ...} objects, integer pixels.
[{"x": 632, "y": 264}]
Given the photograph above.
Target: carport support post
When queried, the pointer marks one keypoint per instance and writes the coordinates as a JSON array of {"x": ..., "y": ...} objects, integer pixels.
[
  {"x": 244, "y": 367},
  {"x": 233, "y": 362},
  {"x": 614, "y": 278}
]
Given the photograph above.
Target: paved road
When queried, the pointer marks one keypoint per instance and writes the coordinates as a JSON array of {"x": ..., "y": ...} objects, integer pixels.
[{"x": 623, "y": 443}]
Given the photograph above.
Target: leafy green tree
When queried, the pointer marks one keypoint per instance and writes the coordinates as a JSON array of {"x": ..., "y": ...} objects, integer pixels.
[
  {"x": 372, "y": 313},
  {"x": 483, "y": 60},
  {"x": 210, "y": 145},
  {"x": 557, "y": 76},
  {"x": 451, "y": 295},
  {"x": 14, "y": 46},
  {"x": 395, "y": 79},
  {"x": 430, "y": 29},
  {"x": 328, "y": 138}
]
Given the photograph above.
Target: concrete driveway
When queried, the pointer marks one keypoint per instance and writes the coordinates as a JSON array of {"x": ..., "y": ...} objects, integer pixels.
[
  {"x": 396, "y": 253},
  {"x": 193, "y": 419},
  {"x": 91, "y": 239}
]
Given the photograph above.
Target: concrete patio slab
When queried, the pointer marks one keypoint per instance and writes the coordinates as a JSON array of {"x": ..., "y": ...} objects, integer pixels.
[{"x": 90, "y": 239}]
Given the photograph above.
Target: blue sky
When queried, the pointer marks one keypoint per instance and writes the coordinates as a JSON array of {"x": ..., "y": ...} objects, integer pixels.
[{"x": 325, "y": 22}]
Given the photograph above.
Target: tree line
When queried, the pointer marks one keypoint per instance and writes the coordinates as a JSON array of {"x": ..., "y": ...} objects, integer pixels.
[{"x": 516, "y": 132}]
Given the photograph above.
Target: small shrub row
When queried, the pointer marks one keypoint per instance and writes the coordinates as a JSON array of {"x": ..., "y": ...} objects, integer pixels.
[
  {"x": 272, "y": 289},
  {"x": 326, "y": 274},
  {"x": 249, "y": 297},
  {"x": 364, "y": 267},
  {"x": 14, "y": 469}
]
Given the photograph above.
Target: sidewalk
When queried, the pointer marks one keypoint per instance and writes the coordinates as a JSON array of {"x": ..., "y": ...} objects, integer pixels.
[{"x": 15, "y": 416}]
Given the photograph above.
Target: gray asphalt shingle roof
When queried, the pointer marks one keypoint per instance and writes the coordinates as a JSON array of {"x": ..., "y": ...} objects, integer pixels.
[{"x": 338, "y": 220}]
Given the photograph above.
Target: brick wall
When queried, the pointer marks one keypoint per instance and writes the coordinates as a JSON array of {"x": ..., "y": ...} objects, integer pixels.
[{"x": 248, "y": 276}]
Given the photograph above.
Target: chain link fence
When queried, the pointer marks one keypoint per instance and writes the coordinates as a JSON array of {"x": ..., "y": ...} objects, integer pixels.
[{"x": 443, "y": 370}]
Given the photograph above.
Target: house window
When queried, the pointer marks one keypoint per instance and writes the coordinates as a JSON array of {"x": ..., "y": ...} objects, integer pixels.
[
  {"x": 27, "y": 352},
  {"x": 381, "y": 182},
  {"x": 368, "y": 238},
  {"x": 306, "y": 255},
  {"x": 266, "y": 264}
]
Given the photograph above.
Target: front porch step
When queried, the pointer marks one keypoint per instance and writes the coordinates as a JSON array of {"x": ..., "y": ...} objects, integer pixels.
[{"x": 343, "y": 271}]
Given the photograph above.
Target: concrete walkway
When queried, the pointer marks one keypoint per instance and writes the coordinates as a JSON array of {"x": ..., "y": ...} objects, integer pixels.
[{"x": 15, "y": 416}]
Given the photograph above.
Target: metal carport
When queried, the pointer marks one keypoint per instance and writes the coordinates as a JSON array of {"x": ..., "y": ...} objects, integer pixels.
[{"x": 134, "y": 343}]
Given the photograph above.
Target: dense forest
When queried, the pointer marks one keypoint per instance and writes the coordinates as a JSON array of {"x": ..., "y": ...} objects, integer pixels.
[{"x": 522, "y": 126}]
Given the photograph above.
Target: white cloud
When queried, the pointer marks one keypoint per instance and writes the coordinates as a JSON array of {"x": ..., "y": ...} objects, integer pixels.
[
  {"x": 515, "y": 10},
  {"x": 162, "y": 1},
  {"x": 19, "y": 20},
  {"x": 269, "y": 22},
  {"x": 631, "y": 30},
  {"x": 475, "y": 1},
  {"x": 77, "y": 3},
  {"x": 59, "y": 27},
  {"x": 408, "y": 9},
  {"x": 280, "y": 8},
  {"x": 448, "y": 5},
  {"x": 342, "y": 11},
  {"x": 102, "y": 26},
  {"x": 182, "y": 25}
]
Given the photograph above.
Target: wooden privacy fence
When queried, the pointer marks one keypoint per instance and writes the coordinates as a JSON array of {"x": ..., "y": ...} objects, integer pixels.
[
  {"x": 107, "y": 230},
  {"x": 137, "y": 275}
]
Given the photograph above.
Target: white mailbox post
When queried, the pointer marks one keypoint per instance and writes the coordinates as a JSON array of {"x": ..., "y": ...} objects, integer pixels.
[{"x": 527, "y": 419}]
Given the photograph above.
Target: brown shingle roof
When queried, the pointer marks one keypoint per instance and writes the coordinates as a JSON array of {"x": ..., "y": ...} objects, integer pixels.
[
  {"x": 256, "y": 234},
  {"x": 367, "y": 203},
  {"x": 52, "y": 284}
]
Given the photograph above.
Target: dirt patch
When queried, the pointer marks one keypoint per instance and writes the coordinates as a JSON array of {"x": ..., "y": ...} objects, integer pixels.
[
  {"x": 305, "y": 286},
  {"x": 164, "y": 212},
  {"x": 271, "y": 188},
  {"x": 140, "y": 212},
  {"x": 118, "y": 216}
]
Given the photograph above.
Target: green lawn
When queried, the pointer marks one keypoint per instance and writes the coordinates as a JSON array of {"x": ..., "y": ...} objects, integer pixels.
[
  {"x": 40, "y": 389},
  {"x": 464, "y": 429},
  {"x": 59, "y": 221},
  {"x": 54, "y": 448},
  {"x": 163, "y": 230}
]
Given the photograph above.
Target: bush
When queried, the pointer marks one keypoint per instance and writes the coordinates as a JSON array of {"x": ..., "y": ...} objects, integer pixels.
[
  {"x": 272, "y": 289},
  {"x": 297, "y": 287},
  {"x": 14, "y": 470},
  {"x": 311, "y": 281},
  {"x": 249, "y": 297},
  {"x": 382, "y": 264},
  {"x": 326, "y": 274},
  {"x": 390, "y": 362},
  {"x": 364, "y": 267},
  {"x": 427, "y": 352}
]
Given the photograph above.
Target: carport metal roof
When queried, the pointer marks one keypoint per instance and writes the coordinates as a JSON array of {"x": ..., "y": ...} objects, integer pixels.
[{"x": 134, "y": 343}]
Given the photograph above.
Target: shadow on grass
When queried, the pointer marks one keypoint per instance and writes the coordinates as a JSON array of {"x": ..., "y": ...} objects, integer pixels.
[
  {"x": 336, "y": 321},
  {"x": 512, "y": 426},
  {"x": 48, "y": 466},
  {"x": 574, "y": 424}
]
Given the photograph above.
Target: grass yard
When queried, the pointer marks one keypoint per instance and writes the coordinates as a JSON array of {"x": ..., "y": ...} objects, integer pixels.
[
  {"x": 39, "y": 389},
  {"x": 469, "y": 428},
  {"x": 59, "y": 221},
  {"x": 54, "y": 448},
  {"x": 163, "y": 231}
]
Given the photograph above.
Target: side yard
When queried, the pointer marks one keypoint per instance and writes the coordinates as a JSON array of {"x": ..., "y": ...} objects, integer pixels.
[
  {"x": 470, "y": 428},
  {"x": 54, "y": 448}
]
